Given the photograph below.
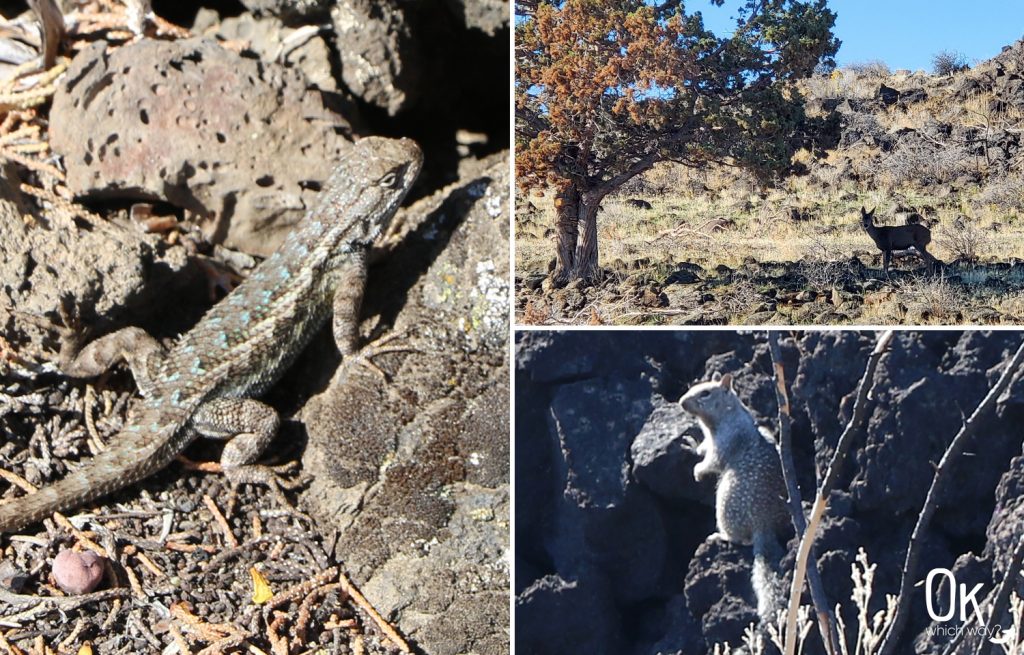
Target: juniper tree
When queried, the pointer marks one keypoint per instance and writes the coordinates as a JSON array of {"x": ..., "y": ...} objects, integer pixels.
[{"x": 607, "y": 88}]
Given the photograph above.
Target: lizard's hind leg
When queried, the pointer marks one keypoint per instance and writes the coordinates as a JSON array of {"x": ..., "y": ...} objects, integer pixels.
[{"x": 249, "y": 426}]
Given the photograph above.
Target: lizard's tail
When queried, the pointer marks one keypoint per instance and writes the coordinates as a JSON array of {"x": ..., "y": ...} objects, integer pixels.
[
  {"x": 765, "y": 579},
  {"x": 110, "y": 470}
]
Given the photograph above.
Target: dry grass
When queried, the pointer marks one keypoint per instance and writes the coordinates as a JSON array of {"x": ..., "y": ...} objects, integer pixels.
[
  {"x": 738, "y": 225},
  {"x": 899, "y": 162}
]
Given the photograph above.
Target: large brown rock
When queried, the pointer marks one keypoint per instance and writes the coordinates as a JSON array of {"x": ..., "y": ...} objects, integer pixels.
[{"x": 241, "y": 145}]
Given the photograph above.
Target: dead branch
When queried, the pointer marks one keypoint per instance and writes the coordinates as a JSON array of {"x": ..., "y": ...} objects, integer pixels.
[
  {"x": 826, "y": 621},
  {"x": 939, "y": 481}
]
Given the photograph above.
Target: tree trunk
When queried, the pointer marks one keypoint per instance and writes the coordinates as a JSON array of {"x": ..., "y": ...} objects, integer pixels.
[
  {"x": 587, "y": 268},
  {"x": 567, "y": 212}
]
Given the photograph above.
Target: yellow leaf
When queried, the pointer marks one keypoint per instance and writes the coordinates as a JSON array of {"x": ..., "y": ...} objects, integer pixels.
[
  {"x": 261, "y": 592},
  {"x": 86, "y": 649}
]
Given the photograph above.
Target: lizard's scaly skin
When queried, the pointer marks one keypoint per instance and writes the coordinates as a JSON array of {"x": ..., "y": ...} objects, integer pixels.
[{"x": 246, "y": 341}]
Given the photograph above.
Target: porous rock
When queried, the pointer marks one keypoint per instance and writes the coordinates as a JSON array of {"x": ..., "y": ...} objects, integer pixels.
[
  {"x": 413, "y": 471},
  {"x": 201, "y": 127}
]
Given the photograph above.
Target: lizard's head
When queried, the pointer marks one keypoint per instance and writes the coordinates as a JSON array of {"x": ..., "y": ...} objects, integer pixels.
[
  {"x": 709, "y": 401},
  {"x": 371, "y": 180}
]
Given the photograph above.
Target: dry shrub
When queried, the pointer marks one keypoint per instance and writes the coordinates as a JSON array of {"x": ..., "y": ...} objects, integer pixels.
[
  {"x": 963, "y": 239},
  {"x": 948, "y": 62},
  {"x": 740, "y": 298},
  {"x": 1004, "y": 192},
  {"x": 875, "y": 68},
  {"x": 917, "y": 161},
  {"x": 932, "y": 300},
  {"x": 822, "y": 264}
]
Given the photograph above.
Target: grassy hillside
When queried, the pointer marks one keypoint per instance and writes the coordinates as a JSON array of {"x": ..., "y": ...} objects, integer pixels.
[{"x": 714, "y": 247}]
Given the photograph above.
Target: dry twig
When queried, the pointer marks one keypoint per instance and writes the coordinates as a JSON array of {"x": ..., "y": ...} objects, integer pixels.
[{"x": 939, "y": 481}]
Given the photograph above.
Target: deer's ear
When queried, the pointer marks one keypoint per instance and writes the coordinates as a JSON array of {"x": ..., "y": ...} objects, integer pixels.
[
  {"x": 716, "y": 376},
  {"x": 726, "y": 381}
]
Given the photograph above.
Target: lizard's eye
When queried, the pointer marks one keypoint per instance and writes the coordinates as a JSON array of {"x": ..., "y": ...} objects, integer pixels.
[{"x": 389, "y": 181}]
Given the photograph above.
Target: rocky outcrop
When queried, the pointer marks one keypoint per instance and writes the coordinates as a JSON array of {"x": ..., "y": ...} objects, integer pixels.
[{"x": 612, "y": 530}]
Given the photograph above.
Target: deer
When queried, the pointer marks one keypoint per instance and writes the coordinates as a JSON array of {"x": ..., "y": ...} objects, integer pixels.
[{"x": 901, "y": 237}]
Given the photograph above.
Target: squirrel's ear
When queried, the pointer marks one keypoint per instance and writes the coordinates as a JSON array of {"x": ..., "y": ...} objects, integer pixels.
[
  {"x": 726, "y": 381},
  {"x": 716, "y": 376}
]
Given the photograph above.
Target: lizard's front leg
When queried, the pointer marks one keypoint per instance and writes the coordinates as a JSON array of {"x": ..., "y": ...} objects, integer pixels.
[
  {"x": 348, "y": 298},
  {"x": 249, "y": 425}
]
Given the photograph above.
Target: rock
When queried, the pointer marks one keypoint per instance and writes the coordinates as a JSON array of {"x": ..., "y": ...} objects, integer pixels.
[
  {"x": 77, "y": 573},
  {"x": 685, "y": 273},
  {"x": 106, "y": 272},
  {"x": 271, "y": 40},
  {"x": 576, "y": 604},
  {"x": 653, "y": 298},
  {"x": 1004, "y": 530},
  {"x": 661, "y": 460},
  {"x": 287, "y": 9},
  {"x": 380, "y": 57},
  {"x": 594, "y": 437},
  {"x": 912, "y": 96},
  {"x": 887, "y": 94},
  {"x": 193, "y": 124},
  {"x": 409, "y": 471},
  {"x": 431, "y": 57}
]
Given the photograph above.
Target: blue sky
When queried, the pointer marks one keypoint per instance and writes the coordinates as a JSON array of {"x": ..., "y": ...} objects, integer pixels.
[{"x": 907, "y": 33}]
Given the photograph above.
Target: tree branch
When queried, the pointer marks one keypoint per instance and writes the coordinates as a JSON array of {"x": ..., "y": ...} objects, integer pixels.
[
  {"x": 826, "y": 622},
  {"x": 954, "y": 450}
]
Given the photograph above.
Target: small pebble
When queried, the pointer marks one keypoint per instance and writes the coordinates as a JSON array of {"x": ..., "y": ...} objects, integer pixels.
[{"x": 77, "y": 573}]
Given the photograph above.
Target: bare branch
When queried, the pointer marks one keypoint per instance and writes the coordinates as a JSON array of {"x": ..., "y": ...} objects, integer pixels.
[
  {"x": 864, "y": 389},
  {"x": 1002, "y": 596},
  {"x": 826, "y": 622},
  {"x": 939, "y": 481}
]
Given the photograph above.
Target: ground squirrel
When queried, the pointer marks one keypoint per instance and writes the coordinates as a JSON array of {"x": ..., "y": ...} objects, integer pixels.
[{"x": 750, "y": 495}]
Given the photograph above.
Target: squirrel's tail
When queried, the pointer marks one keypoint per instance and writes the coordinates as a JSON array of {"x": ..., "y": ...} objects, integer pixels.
[{"x": 765, "y": 579}]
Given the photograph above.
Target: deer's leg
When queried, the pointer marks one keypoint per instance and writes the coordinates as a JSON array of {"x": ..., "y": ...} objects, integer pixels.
[
  {"x": 886, "y": 255},
  {"x": 927, "y": 255}
]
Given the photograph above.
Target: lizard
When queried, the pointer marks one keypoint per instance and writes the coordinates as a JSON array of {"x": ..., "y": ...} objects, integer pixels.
[{"x": 207, "y": 382}]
